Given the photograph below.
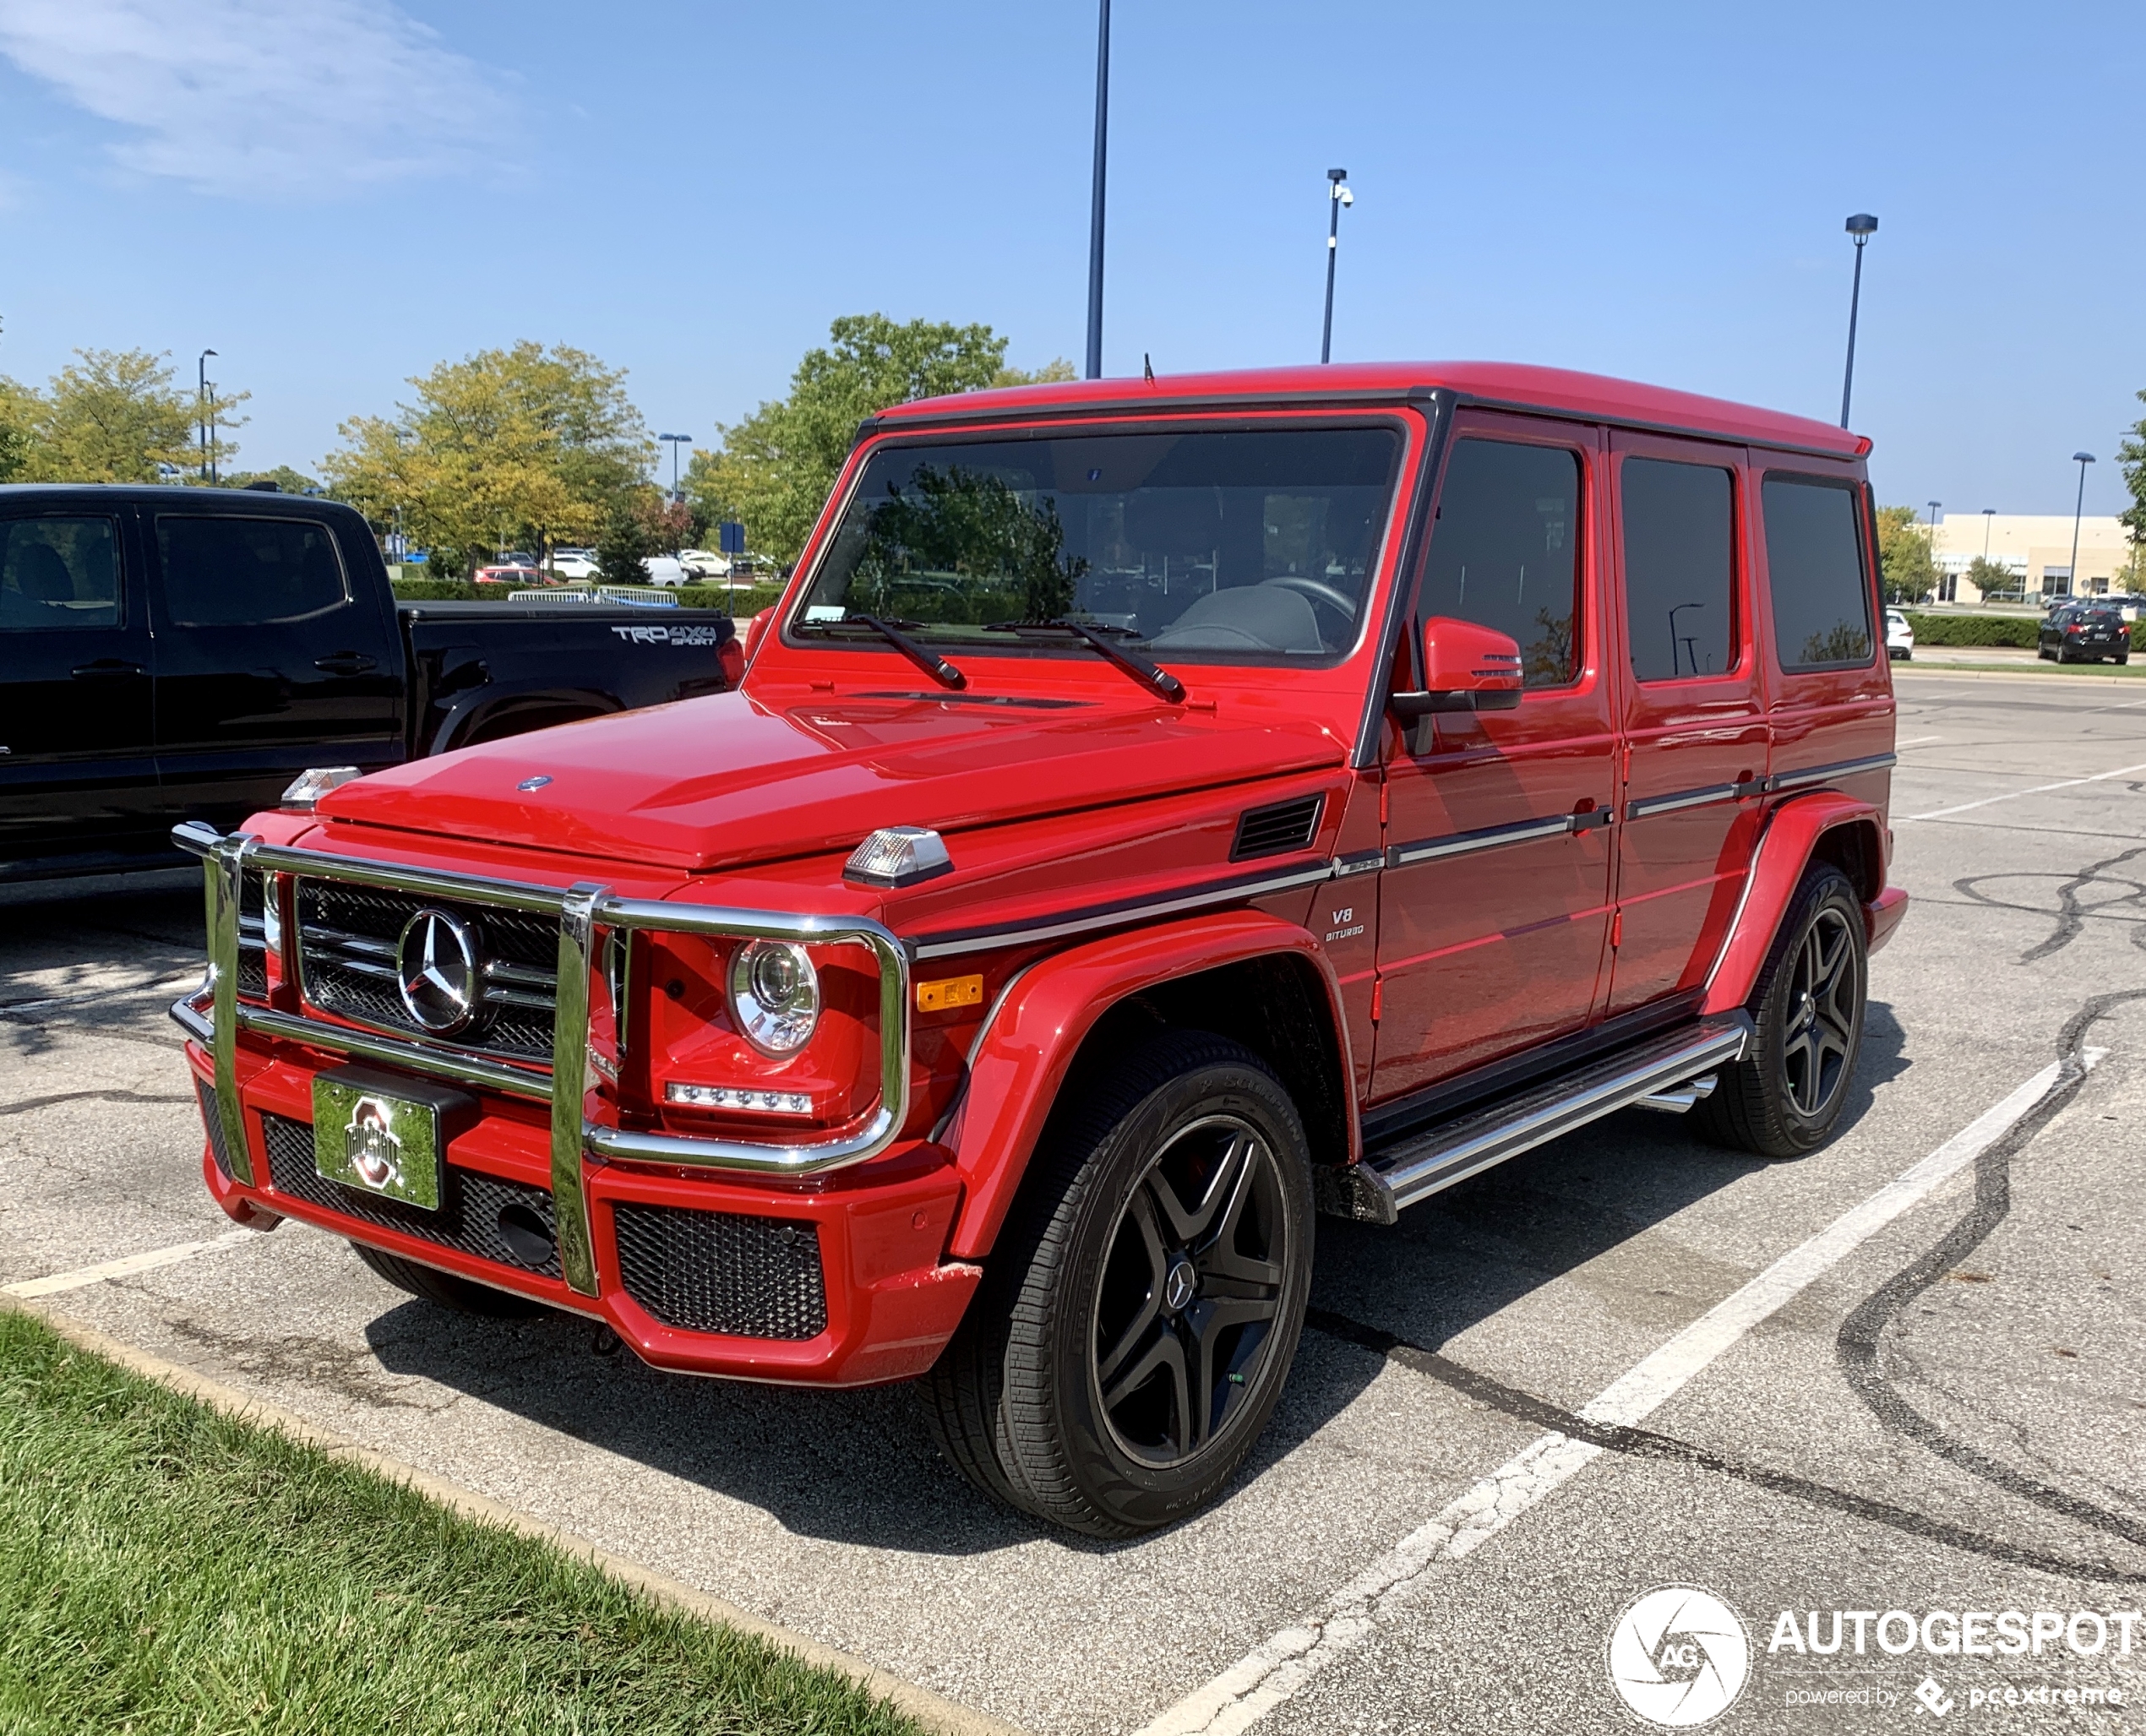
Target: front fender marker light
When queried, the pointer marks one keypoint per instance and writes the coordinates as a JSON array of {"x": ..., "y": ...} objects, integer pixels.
[
  {"x": 899, "y": 856},
  {"x": 949, "y": 992},
  {"x": 724, "y": 1096}
]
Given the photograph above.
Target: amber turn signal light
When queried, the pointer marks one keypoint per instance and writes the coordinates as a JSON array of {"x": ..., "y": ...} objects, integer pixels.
[{"x": 949, "y": 992}]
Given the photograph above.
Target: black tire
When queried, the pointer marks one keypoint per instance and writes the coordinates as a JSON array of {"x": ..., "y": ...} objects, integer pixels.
[
  {"x": 2041, "y": 651},
  {"x": 1102, "y": 1272},
  {"x": 444, "y": 1289},
  {"x": 1785, "y": 1097}
]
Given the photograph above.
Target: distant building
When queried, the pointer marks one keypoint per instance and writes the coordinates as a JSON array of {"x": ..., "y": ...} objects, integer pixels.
[{"x": 2035, "y": 548}]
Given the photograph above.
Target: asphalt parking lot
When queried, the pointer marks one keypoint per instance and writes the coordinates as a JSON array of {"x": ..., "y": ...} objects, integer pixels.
[{"x": 1545, "y": 1393}]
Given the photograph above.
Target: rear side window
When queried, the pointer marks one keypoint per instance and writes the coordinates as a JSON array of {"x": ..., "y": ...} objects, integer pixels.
[
  {"x": 248, "y": 572},
  {"x": 58, "y": 572},
  {"x": 1814, "y": 562},
  {"x": 1680, "y": 568},
  {"x": 1506, "y": 550}
]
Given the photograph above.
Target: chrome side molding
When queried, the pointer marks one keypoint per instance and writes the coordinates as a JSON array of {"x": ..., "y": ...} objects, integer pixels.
[{"x": 1672, "y": 1071}]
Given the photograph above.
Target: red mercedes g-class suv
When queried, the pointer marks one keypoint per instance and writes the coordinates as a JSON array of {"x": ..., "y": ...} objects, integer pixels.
[{"x": 1156, "y": 812}]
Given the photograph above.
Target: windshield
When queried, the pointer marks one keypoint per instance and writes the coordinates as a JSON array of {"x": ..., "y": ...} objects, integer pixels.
[{"x": 1220, "y": 547}]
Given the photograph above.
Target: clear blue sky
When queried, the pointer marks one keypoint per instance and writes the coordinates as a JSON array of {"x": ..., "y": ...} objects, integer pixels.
[{"x": 337, "y": 194}]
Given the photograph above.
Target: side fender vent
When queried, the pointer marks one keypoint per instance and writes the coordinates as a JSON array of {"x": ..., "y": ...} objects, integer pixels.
[{"x": 1276, "y": 831}]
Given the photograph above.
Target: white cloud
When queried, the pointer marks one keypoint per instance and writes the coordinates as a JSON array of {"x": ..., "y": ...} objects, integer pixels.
[{"x": 265, "y": 98}]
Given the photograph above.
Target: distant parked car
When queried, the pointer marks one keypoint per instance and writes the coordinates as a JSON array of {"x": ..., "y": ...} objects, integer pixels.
[
  {"x": 574, "y": 563},
  {"x": 512, "y": 573},
  {"x": 1899, "y": 637},
  {"x": 701, "y": 563},
  {"x": 2085, "y": 633},
  {"x": 663, "y": 569}
]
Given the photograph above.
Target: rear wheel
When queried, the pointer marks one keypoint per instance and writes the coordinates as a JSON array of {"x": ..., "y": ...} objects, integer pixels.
[
  {"x": 1785, "y": 1097},
  {"x": 444, "y": 1288},
  {"x": 1137, "y": 1321}
]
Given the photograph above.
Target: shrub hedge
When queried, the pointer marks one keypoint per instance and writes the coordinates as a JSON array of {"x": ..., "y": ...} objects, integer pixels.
[
  {"x": 747, "y": 600},
  {"x": 2021, "y": 631}
]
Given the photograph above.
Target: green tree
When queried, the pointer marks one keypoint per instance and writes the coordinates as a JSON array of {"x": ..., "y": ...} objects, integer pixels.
[
  {"x": 1908, "y": 571},
  {"x": 1991, "y": 578},
  {"x": 620, "y": 548},
  {"x": 2131, "y": 454},
  {"x": 775, "y": 467},
  {"x": 110, "y": 415},
  {"x": 524, "y": 446},
  {"x": 18, "y": 430},
  {"x": 287, "y": 480}
]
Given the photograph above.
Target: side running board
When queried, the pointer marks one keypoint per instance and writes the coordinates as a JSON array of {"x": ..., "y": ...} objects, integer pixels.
[{"x": 1671, "y": 1071}]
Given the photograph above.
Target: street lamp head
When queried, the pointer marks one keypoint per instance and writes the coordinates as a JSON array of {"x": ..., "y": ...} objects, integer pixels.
[
  {"x": 2081, "y": 457},
  {"x": 1862, "y": 226},
  {"x": 1338, "y": 176}
]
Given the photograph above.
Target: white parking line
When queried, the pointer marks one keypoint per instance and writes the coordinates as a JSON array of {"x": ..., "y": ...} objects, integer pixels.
[
  {"x": 1239, "y": 1697},
  {"x": 1917, "y": 741},
  {"x": 2039, "y": 789},
  {"x": 84, "y": 1277}
]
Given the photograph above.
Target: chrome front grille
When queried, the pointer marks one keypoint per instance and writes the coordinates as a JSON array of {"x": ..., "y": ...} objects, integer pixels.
[{"x": 347, "y": 939}]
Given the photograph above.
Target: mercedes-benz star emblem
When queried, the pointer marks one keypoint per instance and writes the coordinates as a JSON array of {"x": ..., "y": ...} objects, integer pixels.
[{"x": 436, "y": 967}]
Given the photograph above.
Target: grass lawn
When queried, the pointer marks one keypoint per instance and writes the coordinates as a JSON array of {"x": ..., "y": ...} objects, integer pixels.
[{"x": 166, "y": 1569}]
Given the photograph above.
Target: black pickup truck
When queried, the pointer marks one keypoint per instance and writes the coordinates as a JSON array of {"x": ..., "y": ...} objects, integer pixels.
[{"x": 169, "y": 654}]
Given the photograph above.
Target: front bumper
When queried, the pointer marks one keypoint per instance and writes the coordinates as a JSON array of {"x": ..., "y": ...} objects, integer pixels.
[{"x": 707, "y": 1255}]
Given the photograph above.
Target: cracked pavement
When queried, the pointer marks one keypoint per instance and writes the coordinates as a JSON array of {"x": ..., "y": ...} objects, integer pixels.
[{"x": 1954, "y": 1416}]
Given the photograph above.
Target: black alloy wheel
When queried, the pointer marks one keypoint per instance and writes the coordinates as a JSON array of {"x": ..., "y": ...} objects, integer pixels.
[
  {"x": 1785, "y": 1097},
  {"x": 1139, "y": 1314},
  {"x": 1824, "y": 1015},
  {"x": 1185, "y": 1311}
]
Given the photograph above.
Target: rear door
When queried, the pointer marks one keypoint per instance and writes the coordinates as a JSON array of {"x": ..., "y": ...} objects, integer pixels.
[
  {"x": 1493, "y": 904},
  {"x": 78, "y": 771},
  {"x": 271, "y": 657},
  {"x": 1693, "y": 707}
]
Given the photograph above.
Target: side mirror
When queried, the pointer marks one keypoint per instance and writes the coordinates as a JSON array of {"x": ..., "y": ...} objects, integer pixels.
[
  {"x": 756, "y": 627},
  {"x": 1467, "y": 667}
]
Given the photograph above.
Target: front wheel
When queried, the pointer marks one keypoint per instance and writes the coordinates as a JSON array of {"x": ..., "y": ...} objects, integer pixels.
[
  {"x": 1138, "y": 1319},
  {"x": 444, "y": 1289},
  {"x": 1786, "y": 1095}
]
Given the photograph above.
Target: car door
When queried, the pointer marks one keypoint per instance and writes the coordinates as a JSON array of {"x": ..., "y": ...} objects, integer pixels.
[
  {"x": 77, "y": 769},
  {"x": 271, "y": 657},
  {"x": 1493, "y": 903},
  {"x": 1693, "y": 710}
]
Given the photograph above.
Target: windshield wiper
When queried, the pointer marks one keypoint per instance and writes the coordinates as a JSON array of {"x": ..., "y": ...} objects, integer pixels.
[
  {"x": 930, "y": 662},
  {"x": 1159, "y": 681}
]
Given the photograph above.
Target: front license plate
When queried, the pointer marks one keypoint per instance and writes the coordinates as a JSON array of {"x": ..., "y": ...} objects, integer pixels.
[{"x": 376, "y": 1140}]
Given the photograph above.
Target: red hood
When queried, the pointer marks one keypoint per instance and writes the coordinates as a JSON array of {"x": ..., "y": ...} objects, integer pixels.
[{"x": 724, "y": 780}]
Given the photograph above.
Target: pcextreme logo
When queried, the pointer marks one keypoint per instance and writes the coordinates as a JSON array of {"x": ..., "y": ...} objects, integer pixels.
[{"x": 1679, "y": 1657}]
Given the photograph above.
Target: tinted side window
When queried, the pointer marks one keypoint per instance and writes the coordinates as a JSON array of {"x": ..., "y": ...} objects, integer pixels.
[
  {"x": 248, "y": 572},
  {"x": 1506, "y": 550},
  {"x": 1680, "y": 568},
  {"x": 1814, "y": 559},
  {"x": 58, "y": 572}
]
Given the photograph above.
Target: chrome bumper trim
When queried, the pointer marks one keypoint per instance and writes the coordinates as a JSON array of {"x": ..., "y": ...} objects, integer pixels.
[{"x": 581, "y": 911}]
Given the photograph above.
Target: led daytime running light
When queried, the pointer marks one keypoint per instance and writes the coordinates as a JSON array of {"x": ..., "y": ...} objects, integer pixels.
[{"x": 724, "y": 1096}]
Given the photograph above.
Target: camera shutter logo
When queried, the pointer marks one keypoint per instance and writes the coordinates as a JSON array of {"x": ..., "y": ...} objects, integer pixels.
[
  {"x": 1679, "y": 1657},
  {"x": 437, "y": 972},
  {"x": 375, "y": 1154}
]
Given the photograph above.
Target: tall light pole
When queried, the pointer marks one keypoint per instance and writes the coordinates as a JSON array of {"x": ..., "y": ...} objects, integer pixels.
[
  {"x": 201, "y": 407},
  {"x": 1862, "y": 226},
  {"x": 2082, "y": 459},
  {"x": 212, "y": 476},
  {"x": 1337, "y": 195},
  {"x": 1989, "y": 518},
  {"x": 1095, "y": 198},
  {"x": 674, "y": 441}
]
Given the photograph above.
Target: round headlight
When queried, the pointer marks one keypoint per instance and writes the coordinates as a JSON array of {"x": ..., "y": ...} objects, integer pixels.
[{"x": 775, "y": 992}]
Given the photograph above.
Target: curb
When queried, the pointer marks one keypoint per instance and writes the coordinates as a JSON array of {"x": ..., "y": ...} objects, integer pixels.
[
  {"x": 1990, "y": 672},
  {"x": 934, "y": 1711}
]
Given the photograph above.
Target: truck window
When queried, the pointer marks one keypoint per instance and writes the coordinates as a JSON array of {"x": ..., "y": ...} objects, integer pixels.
[
  {"x": 1228, "y": 546},
  {"x": 221, "y": 572},
  {"x": 1814, "y": 563},
  {"x": 1506, "y": 550},
  {"x": 58, "y": 572},
  {"x": 1679, "y": 568}
]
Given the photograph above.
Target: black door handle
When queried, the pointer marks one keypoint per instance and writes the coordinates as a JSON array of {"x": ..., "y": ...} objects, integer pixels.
[
  {"x": 106, "y": 669},
  {"x": 345, "y": 663}
]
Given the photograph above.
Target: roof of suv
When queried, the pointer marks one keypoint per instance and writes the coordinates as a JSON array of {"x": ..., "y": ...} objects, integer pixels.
[{"x": 1594, "y": 396}]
